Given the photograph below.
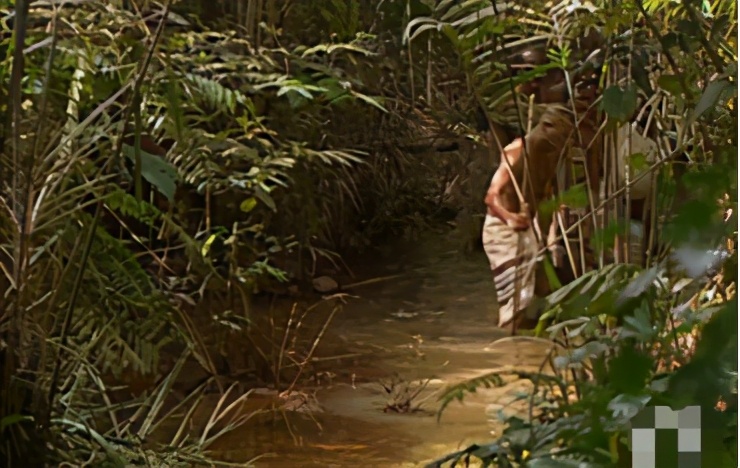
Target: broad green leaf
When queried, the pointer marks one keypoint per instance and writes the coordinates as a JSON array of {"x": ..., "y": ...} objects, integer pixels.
[
  {"x": 576, "y": 306},
  {"x": 719, "y": 25},
  {"x": 640, "y": 73},
  {"x": 671, "y": 84},
  {"x": 369, "y": 100},
  {"x": 334, "y": 89},
  {"x": 574, "y": 197},
  {"x": 207, "y": 244},
  {"x": 605, "y": 302},
  {"x": 552, "y": 277},
  {"x": 431, "y": 24},
  {"x": 298, "y": 89},
  {"x": 681, "y": 284},
  {"x": 519, "y": 438},
  {"x": 625, "y": 407},
  {"x": 614, "y": 281},
  {"x": 639, "y": 325},
  {"x": 639, "y": 285},
  {"x": 13, "y": 419},
  {"x": 558, "y": 327},
  {"x": 693, "y": 217},
  {"x": 592, "y": 349},
  {"x": 711, "y": 182},
  {"x": 569, "y": 289},
  {"x": 265, "y": 198},
  {"x": 603, "y": 239},
  {"x": 487, "y": 451},
  {"x": 660, "y": 385},
  {"x": 720, "y": 333},
  {"x": 451, "y": 34},
  {"x": 629, "y": 371},
  {"x": 157, "y": 171},
  {"x": 248, "y": 205},
  {"x": 690, "y": 28},
  {"x": 711, "y": 95},
  {"x": 620, "y": 104},
  {"x": 593, "y": 293}
]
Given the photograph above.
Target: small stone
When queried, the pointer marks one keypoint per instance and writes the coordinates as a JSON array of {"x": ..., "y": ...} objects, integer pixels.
[
  {"x": 325, "y": 284},
  {"x": 403, "y": 315}
]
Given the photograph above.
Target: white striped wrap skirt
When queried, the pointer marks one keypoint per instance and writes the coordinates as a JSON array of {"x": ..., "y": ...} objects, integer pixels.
[{"x": 512, "y": 255}]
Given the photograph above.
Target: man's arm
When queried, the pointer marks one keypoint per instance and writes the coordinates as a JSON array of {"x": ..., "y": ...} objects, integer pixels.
[{"x": 501, "y": 180}]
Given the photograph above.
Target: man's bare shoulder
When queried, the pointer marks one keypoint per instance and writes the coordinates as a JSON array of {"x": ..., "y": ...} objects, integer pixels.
[{"x": 514, "y": 145}]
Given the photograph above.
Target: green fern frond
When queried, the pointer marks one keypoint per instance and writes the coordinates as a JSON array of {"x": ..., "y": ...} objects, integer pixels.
[
  {"x": 457, "y": 392},
  {"x": 216, "y": 95},
  {"x": 128, "y": 205}
]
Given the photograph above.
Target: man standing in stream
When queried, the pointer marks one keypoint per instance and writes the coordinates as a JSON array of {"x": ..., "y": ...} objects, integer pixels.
[{"x": 526, "y": 176}]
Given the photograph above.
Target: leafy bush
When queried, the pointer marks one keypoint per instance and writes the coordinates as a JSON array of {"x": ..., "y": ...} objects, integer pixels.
[
  {"x": 110, "y": 240},
  {"x": 626, "y": 335}
]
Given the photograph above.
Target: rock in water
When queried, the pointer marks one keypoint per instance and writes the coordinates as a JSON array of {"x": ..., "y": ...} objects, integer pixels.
[{"x": 325, "y": 284}]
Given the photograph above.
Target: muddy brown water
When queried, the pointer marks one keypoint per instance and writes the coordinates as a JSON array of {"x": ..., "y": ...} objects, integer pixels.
[{"x": 435, "y": 322}]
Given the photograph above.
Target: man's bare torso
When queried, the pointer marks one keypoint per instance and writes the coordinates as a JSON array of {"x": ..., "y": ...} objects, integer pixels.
[{"x": 533, "y": 162}]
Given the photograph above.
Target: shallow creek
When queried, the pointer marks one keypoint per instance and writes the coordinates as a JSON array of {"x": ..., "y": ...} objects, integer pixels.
[{"x": 434, "y": 321}]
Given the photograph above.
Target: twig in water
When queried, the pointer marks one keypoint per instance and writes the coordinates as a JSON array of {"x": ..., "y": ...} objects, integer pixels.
[
  {"x": 279, "y": 364},
  {"x": 315, "y": 344},
  {"x": 371, "y": 281}
]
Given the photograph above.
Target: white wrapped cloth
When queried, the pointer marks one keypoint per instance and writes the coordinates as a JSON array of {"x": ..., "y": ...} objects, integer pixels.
[
  {"x": 631, "y": 142},
  {"x": 512, "y": 255}
]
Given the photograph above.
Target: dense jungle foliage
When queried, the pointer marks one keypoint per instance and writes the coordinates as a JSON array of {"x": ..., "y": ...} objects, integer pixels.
[{"x": 162, "y": 157}]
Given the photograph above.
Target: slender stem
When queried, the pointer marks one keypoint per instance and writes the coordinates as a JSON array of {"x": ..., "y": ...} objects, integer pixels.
[
  {"x": 11, "y": 353},
  {"x": 136, "y": 105},
  {"x": 617, "y": 193},
  {"x": 90, "y": 239}
]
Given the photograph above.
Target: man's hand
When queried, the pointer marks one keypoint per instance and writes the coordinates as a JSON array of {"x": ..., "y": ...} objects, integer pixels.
[{"x": 518, "y": 221}]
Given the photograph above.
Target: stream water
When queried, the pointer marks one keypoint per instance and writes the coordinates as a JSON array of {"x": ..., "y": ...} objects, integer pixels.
[{"x": 434, "y": 322}]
